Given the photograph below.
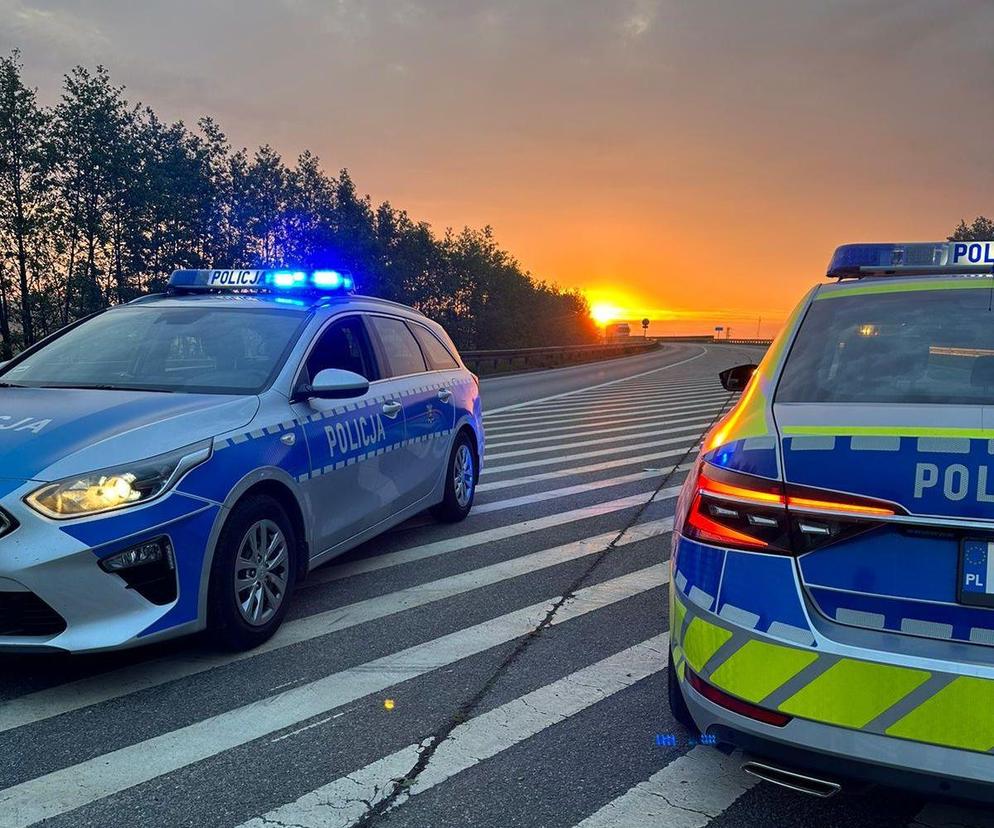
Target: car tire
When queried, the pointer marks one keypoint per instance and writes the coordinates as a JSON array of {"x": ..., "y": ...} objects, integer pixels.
[
  {"x": 253, "y": 574},
  {"x": 678, "y": 705},
  {"x": 461, "y": 475}
]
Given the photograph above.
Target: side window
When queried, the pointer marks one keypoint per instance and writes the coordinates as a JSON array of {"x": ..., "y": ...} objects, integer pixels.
[
  {"x": 398, "y": 347},
  {"x": 438, "y": 356},
  {"x": 343, "y": 345}
]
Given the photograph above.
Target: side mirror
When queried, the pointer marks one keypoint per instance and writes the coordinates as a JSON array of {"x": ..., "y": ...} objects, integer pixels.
[
  {"x": 337, "y": 384},
  {"x": 737, "y": 378}
]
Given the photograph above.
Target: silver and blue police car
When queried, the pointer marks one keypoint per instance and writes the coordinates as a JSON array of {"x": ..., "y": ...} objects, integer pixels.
[
  {"x": 182, "y": 461},
  {"x": 832, "y": 600}
]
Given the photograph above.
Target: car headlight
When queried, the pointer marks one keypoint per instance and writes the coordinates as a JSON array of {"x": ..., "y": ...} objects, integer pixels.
[{"x": 116, "y": 488}]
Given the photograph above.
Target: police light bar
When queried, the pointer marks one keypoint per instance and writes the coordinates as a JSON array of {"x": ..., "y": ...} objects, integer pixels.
[
  {"x": 916, "y": 258},
  {"x": 263, "y": 281}
]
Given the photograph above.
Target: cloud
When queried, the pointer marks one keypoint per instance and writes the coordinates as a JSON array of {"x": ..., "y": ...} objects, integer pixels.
[
  {"x": 26, "y": 24},
  {"x": 640, "y": 19}
]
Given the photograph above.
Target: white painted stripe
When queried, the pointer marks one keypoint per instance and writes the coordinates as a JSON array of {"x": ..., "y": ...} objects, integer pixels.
[
  {"x": 635, "y": 460},
  {"x": 623, "y": 394},
  {"x": 339, "y": 803},
  {"x": 460, "y": 542},
  {"x": 579, "y": 488},
  {"x": 575, "y": 411},
  {"x": 514, "y": 406},
  {"x": 948, "y": 815},
  {"x": 688, "y": 793},
  {"x": 601, "y": 416},
  {"x": 75, "y": 786},
  {"x": 697, "y": 423},
  {"x": 611, "y": 425},
  {"x": 76, "y": 695},
  {"x": 636, "y": 449},
  {"x": 664, "y": 384}
]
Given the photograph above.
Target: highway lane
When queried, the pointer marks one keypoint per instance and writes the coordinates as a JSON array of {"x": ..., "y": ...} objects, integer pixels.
[{"x": 507, "y": 671}]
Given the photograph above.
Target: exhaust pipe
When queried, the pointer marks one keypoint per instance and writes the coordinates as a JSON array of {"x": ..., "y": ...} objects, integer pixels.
[{"x": 811, "y": 785}]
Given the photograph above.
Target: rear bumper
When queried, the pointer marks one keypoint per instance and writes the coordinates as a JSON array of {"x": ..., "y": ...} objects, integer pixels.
[
  {"x": 874, "y": 712},
  {"x": 831, "y": 753}
]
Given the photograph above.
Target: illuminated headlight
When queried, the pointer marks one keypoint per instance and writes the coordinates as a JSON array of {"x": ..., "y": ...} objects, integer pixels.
[{"x": 116, "y": 488}]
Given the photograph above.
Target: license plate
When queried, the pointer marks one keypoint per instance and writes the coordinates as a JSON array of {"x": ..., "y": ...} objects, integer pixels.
[{"x": 976, "y": 572}]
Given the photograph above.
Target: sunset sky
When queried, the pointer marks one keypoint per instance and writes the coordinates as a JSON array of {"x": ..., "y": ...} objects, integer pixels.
[{"x": 694, "y": 161}]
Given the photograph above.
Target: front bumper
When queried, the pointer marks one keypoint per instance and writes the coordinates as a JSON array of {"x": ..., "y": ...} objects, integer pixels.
[
  {"x": 55, "y": 564},
  {"x": 877, "y": 708}
]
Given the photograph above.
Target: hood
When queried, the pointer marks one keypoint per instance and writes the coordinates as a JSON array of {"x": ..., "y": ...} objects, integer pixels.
[{"x": 49, "y": 433}]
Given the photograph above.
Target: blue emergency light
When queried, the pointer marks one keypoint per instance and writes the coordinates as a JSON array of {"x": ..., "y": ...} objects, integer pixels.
[
  {"x": 912, "y": 259},
  {"x": 263, "y": 281}
]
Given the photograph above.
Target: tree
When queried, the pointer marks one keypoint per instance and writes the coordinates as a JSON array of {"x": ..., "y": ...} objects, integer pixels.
[
  {"x": 100, "y": 200},
  {"x": 980, "y": 229},
  {"x": 93, "y": 162},
  {"x": 23, "y": 189}
]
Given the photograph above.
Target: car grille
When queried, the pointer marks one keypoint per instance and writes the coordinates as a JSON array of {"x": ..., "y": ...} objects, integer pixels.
[{"x": 24, "y": 613}]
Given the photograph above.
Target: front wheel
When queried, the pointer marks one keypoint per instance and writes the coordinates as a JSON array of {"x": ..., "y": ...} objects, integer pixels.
[
  {"x": 460, "y": 482},
  {"x": 253, "y": 574}
]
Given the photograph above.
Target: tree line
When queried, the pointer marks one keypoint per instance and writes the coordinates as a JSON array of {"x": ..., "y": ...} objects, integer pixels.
[
  {"x": 100, "y": 200},
  {"x": 980, "y": 229}
]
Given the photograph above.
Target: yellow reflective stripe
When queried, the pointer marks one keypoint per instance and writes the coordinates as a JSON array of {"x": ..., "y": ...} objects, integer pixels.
[
  {"x": 853, "y": 693},
  {"x": 867, "y": 288},
  {"x": 960, "y": 715},
  {"x": 885, "y": 431},
  {"x": 702, "y": 641},
  {"x": 758, "y": 668}
]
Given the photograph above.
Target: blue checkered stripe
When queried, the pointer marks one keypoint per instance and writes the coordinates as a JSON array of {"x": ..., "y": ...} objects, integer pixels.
[{"x": 359, "y": 408}]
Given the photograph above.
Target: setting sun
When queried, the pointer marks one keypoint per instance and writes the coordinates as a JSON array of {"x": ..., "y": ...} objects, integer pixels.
[{"x": 604, "y": 312}]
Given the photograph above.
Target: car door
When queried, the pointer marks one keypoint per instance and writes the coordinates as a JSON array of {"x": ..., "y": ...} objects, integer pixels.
[
  {"x": 355, "y": 445},
  {"x": 428, "y": 415},
  {"x": 444, "y": 373}
]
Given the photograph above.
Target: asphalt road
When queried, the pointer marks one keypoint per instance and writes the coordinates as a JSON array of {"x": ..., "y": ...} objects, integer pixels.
[{"x": 438, "y": 676}]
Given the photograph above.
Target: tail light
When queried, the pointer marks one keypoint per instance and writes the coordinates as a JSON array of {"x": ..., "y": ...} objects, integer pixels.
[
  {"x": 741, "y": 511},
  {"x": 753, "y": 711}
]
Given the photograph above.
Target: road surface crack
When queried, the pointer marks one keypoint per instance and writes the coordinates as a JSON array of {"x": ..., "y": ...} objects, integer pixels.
[{"x": 402, "y": 786}]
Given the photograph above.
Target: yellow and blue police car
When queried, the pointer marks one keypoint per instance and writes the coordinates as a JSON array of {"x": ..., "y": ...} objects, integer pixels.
[{"x": 832, "y": 598}]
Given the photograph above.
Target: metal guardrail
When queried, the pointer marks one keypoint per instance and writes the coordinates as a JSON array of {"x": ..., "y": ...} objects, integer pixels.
[
  {"x": 742, "y": 341},
  {"x": 530, "y": 359}
]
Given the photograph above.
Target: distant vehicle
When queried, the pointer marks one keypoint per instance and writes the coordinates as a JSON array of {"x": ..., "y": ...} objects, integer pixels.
[
  {"x": 832, "y": 608},
  {"x": 618, "y": 332},
  {"x": 182, "y": 461}
]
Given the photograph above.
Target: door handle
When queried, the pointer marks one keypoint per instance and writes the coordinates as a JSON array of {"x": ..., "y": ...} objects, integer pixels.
[
  {"x": 392, "y": 409},
  {"x": 444, "y": 394}
]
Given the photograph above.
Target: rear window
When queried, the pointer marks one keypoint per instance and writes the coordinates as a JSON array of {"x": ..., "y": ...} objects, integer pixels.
[{"x": 921, "y": 346}]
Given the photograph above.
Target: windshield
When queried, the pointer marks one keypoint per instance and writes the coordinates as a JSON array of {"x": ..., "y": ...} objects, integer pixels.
[
  {"x": 203, "y": 350},
  {"x": 918, "y": 346}
]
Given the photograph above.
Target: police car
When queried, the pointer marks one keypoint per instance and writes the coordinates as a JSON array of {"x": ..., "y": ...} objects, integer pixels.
[
  {"x": 832, "y": 600},
  {"x": 182, "y": 461}
]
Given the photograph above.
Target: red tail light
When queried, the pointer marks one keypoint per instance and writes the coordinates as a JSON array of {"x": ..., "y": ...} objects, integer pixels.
[
  {"x": 716, "y": 696},
  {"x": 745, "y": 512}
]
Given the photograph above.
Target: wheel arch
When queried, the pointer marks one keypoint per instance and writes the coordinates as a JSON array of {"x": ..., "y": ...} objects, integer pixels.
[{"x": 280, "y": 486}]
